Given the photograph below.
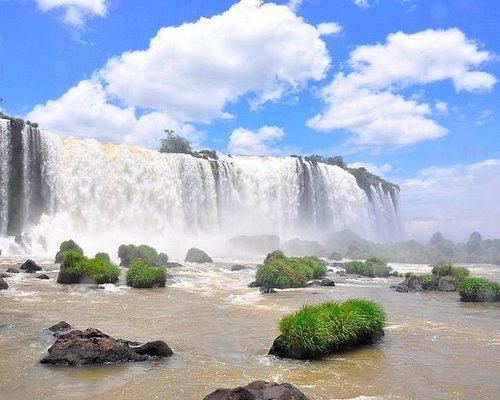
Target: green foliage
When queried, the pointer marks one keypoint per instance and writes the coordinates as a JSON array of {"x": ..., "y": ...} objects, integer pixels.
[
  {"x": 273, "y": 255},
  {"x": 143, "y": 275},
  {"x": 378, "y": 266},
  {"x": 451, "y": 274},
  {"x": 359, "y": 267},
  {"x": 129, "y": 253},
  {"x": 103, "y": 256},
  {"x": 291, "y": 272},
  {"x": 478, "y": 290},
  {"x": 319, "y": 329},
  {"x": 97, "y": 269},
  {"x": 66, "y": 246},
  {"x": 173, "y": 143},
  {"x": 427, "y": 281}
]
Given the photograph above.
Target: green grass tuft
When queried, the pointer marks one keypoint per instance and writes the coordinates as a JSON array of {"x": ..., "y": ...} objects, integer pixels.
[
  {"x": 479, "y": 290},
  {"x": 97, "y": 269},
  {"x": 316, "y": 330},
  {"x": 142, "y": 275}
]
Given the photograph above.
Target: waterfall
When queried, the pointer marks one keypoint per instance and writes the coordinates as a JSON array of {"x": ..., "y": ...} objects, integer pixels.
[{"x": 103, "y": 195}]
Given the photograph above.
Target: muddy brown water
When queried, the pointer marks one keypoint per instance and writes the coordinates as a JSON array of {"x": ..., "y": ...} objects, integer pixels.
[{"x": 435, "y": 347}]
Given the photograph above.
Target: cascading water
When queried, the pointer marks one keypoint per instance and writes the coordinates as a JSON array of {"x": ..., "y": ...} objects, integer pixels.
[{"x": 104, "y": 195}]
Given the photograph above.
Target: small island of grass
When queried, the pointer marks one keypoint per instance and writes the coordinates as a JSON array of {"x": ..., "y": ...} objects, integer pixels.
[
  {"x": 372, "y": 267},
  {"x": 142, "y": 275},
  {"x": 76, "y": 268},
  {"x": 472, "y": 289},
  {"x": 283, "y": 272},
  {"x": 318, "y": 330}
]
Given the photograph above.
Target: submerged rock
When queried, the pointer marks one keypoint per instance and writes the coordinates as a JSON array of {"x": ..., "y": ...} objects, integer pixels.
[
  {"x": 3, "y": 284},
  {"x": 42, "y": 276},
  {"x": 61, "y": 326},
  {"x": 197, "y": 256},
  {"x": 12, "y": 271},
  {"x": 259, "y": 390},
  {"x": 94, "y": 347},
  {"x": 238, "y": 267},
  {"x": 30, "y": 266},
  {"x": 170, "y": 265},
  {"x": 321, "y": 282}
]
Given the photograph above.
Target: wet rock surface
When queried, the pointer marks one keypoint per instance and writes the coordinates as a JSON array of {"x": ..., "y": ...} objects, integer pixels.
[{"x": 259, "y": 390}]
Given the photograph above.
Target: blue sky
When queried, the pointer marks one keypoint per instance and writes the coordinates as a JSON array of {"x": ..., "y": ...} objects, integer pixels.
[{"x": 407, "y": 88}]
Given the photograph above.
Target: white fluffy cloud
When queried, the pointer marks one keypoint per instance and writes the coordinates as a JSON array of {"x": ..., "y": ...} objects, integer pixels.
[
  {"x": 191, "y": 73},
  {"x": 75, "y": 11},
  {"x": 465, "y": 197},
  {"x": 328, "y": 28},
  {"x": 85, "y": 111},
  {"x": 368, "y": 102},
  {"x": 246, "y": 142},
  {"x": 362, "y": 3}
]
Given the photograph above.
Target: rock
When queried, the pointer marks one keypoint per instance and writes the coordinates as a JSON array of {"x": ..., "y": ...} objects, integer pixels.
[
  {"x": 321, "y": 282},
  {"x": 444, "y": 286},
  {"x": 173, "y": 265},
  {"x": 42, "y": 276},
  {"x": 412, "y": 282},
  {"x": 5, "y": 275},
  {"x": 30, "y": 266},
  {"x": 258, "y": 244},
  {"x": 303, "y": 248},
  {"x": 400, "y": 288},
  {"x": 12, "y": 271},
  {"x": 197, "y": 256},
  {"x": 265, "y": 290},
  {"x": 252, "y": 284},
  {"x": 259, "y": 390},
  {"x": 237, "y": 267},
  {"x": 3, "y": 284},
  {"x": 94, "y": 347},
  {"x": 61, "y": 326}
]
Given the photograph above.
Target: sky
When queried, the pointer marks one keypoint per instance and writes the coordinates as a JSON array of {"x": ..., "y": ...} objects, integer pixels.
[{"x": 406, "y": 88}]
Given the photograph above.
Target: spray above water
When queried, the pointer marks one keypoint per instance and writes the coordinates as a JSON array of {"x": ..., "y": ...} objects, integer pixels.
[{"x": 103, "y": 195}]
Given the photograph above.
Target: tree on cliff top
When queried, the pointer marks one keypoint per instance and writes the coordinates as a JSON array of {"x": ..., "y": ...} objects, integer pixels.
[{"x": 173, "y": 143}]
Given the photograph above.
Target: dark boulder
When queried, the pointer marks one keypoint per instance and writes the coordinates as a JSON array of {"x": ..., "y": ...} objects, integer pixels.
[
  {"x": 444, "y": 286},
  {"x": 3, "y": 284},
  {"x": 321, "y": 282},
  {"x": 259, "y": 390},
  {"x": 170, "y": 265},
  {"x": 61, "y": 326},
  {"x": 12, "y": 271},
  {"x": 42, "y": 276},
  {"x": 197, "y": 256},
  {"x": 30, "y": 266},
  {"x": 252, "y": 284},
  {"x": 94, "y": 347},
  {"x": 238, "y": 267},
  {"x": 266, "y": 290}
]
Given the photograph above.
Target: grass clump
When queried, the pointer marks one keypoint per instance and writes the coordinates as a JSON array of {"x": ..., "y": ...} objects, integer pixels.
[
  {"x": 317, "y": 330},
  {"x": 372, "y": 267},
  {"x": 130, "y": 253},
  {"x": 66, "y": 246},
  {"x": 142, "y": 275},
  {"x": 76, "y": 268},
  {"x": 289, "y": 272},
  {"x": 479, "y": 290}
]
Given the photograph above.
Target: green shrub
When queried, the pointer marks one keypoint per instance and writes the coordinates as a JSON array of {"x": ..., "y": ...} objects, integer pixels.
[
  {"x": 130, "y": 253},
  {"x": 378, "y": 266},
  {"x": 359, "y": 267},
  {"x": 316, "y": 330},
  {"x": 427, "y": 281},
  {"x": 273, "y": 255},
  {"x": 291, "y": 272},
  {"x": 143, "y": 275},
  {"x": 450, "y": 274},
  {"x": 478, "y": 289},
  {"x": 66, "y": 246},
  {"x": 103, "y": 256},
  {"x": 96, "y": 269}
]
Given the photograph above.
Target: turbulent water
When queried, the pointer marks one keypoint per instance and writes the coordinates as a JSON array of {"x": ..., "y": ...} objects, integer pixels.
[
  {"x": 435, "y": 347},
  {"x": 102, "y": 195}
]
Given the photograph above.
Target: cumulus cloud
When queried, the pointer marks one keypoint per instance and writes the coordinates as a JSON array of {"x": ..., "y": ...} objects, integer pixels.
[
  {"x": 380, "y": 170},
  {"x": 85, "y": 111},
  {"x": 328, "y": 28},
  {"x": 260, "y": 51},
  {"x": 294, "y": 5},
  {"x": 441, "y": 107},
  {"x": 465, "y": 197},
  {"x": 246, "y": 142},
  {"x": 368, "y": 100},
  {"x": 75, "y": 11},
  {"x": 362, "y": 3},
  {"x": 196, "y": 69}
]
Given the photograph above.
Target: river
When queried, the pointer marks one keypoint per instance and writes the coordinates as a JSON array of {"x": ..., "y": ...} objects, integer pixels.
[{"x": 435, "y": 347}]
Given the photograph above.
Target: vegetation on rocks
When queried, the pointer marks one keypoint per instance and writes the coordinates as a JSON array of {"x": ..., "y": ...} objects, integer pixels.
[
  {"x": 66, "y": 246},
  {"x": 143, "y": 275},
  {"x": 130, "y": 253},
  {"x": 283, "y": 272},
  {"x": 317, "y": 330},
  {"x": 372, "y": 267},
  {"x": 76, "y": 268},
  {"x": 478, "y": 290}
]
